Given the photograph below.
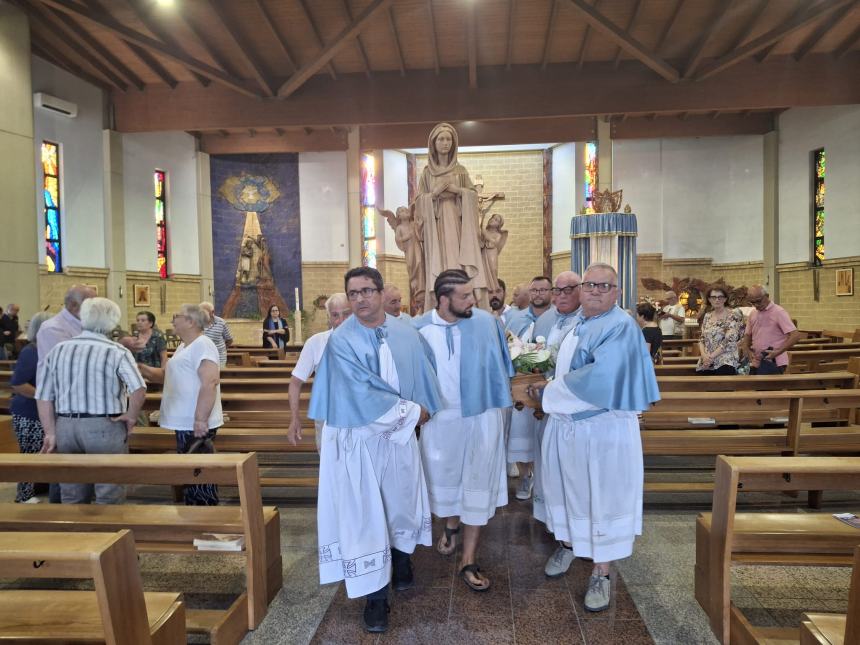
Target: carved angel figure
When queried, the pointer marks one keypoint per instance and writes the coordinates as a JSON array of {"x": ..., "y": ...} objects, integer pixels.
[
  {"x": 493, "y": 240},
  {"x": 407, "y": 236}
]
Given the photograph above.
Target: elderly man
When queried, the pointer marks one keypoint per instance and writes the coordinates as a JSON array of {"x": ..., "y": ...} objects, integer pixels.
[
  {"x": 463, "y": 446},
  {"x": 769, "y": 333},
  {"x": 591, "y": 457},
  {"x": 392, "y": 302},
  {"x": 217, "y": 331},
  {"x": 554, "y": 324},
  {"x": 79, "y": 418},
  {"x": 338, "y": 310},
  {"x": 375, "y": 383},
  {"x": 520, "y": 298},
  {"x": 9, "y": 330},
  {"x": 497, "y": 302},
  {"x": 66, "y": 324},
  {"x": 521, "y": 439},
  {"x": 671, "y": 316}
]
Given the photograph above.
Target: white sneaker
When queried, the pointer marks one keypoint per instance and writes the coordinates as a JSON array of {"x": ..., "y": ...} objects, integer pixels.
[
  {"x": 559, "y": 562},
  {"x": 513, "y": 471},
  {"x": 527, "y": 485},
  {"x": 597, "y": 596},
  {"x": 32, "y": 500}
]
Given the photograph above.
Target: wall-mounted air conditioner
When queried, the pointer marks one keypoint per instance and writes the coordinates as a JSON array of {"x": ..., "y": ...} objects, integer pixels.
[{"x": 55, "y": 105}]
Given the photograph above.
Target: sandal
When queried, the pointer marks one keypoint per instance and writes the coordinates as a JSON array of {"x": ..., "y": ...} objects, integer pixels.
[
  {"x": 474, "y": 569},
  {"x": 450, "y": 544}
]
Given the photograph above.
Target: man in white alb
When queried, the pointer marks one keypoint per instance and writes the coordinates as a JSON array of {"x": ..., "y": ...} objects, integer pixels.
[
  {"x": 591, "y": 455},
  {"x": 375, "y": 384},
  {"x": 338, "y": 310},
  {"x": 462, "y": 446}
]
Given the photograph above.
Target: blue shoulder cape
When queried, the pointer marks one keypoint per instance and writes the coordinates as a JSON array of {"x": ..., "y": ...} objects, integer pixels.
[
  {"x": 348, "y": 391},
  {"x": 611, "y": 368},
  {"x": 520, "y": 321},
  {"x": 485, "y": 365}
]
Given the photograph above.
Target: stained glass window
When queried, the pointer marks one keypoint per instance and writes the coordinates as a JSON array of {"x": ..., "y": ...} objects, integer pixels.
[
  {"x": 368, "y": 209},
  {"x": 160, "y": 186},
  {"x": 51, "y": 202},
  {"x": 819, "y": 167},
  {"x": 590, "y": 171}
]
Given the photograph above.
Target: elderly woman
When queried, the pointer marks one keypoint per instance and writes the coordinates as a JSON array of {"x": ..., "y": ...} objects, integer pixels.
[
  {"x": 191, "y": 397},
  {"x": 722, "y": 330},
  {"x": 150, "y": 346},
  {"x": 25, "y": 416}
]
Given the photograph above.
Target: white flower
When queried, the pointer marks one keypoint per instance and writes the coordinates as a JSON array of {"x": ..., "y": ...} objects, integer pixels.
[
  {"x": 516, "y": 351},
  {"x": 540, "y": 340},
  {"x": 541, "y": 356}
]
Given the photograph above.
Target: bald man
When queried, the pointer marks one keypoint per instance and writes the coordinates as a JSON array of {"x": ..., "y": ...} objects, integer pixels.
[
  {"x": 520, "y": 299},
  {"x": 392, "y": 302}
]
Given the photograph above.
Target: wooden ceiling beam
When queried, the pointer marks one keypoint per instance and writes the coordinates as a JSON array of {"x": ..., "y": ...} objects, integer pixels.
[
  {"x": 393, "y": 25},
  {"x": 244, "y": 47},
  {"x": 512, "y": 9},
  {"x": 669, "y": 25},
  {"x": 329, "y": 51},
  {"x": 99, "y": 50},
  {"x": 586, "y": 37},
  {"x": 157, "y": 30},
  {"x": 272, "y": 142},
  {"x": 106, "y": 21},
  {"x": 823, "y": 29},
  {"x": 749, "y": 25},
  {"x": 472, "y": 44},
  {"x": 48, "y": 50},
  {"x": 637, "y": 9},
  {"x": 54, "y": 24},
  {"x": 694, "y": 126},
  {"x": 600, "y": 23},
  {"x": 320, "y": 42},
  {"x": 846, "y": 45},
  {"x": 798, "y": 10},
  {"x": 360, "y": 45},
  {"x": 269, "y": 21},
  {"x": 433, "y": 43},
  {"x": 715, "y": 23},
  {"x": 774, "y": 35},
  {"x": 148, "y": 60},
  {"x": 547, "y": 40}
]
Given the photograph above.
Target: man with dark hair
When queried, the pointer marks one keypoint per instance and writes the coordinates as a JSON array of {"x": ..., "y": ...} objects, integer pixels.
[
  {"x": 497, "y": 301},
  {"x": 524, "y": 425},
  {"x": 375, "y": 383},
  {"x": 9, "y": 331},
  {"x": 463, "y": 446}
]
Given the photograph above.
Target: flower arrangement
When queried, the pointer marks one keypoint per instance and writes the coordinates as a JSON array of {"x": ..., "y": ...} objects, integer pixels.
[{"x": 529, "y": 358}]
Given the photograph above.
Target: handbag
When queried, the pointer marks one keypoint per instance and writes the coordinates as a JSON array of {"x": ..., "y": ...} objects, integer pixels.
[{"x": 767, "y": 367}]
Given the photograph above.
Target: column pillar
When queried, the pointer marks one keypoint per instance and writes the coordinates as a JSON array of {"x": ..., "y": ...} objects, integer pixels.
[
  {"x": 353, "y": 189},
  {"x": 114, "y": 237},
  {"x": 604, "y": 154},
  {"x": 204, "y": 228},
  {"x": 770, "y": 236},
  {"x": 19, "y": 219}
]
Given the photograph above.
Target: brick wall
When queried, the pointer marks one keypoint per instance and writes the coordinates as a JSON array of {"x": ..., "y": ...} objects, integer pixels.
[
  {"x": 520, "y": 176},
  {"x": 393, "y": 270},
  {"x": 737, "y": 274},
  {"x": 320, "y": 278},
  {"x": 53, "y": 286},
  {"x": 560, "y": 262},
  {"x": 796, "y": 294}
]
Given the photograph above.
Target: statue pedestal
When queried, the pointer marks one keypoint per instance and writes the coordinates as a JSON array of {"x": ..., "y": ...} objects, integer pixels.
[{"x": 609, "y": 238}]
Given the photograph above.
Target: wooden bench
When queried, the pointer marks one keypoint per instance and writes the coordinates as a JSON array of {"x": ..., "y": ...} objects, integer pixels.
[
  {"x": 836, "y": 629},
  {"x": 840, "y": 336},
  {"x": 249, "y": 409},
  {"x": 237, "y": 371},
  {"x": 823, "y": 360},
  {"x": 724, "y": 537},
  {"x": 161, "y": 529},
  {"x": 811, "y": 381},
  {"x": 8, "y": 441},
  {"x": 118, "y": 612},
  {"x": 253, "y": 385},
  {"x": 283, "y": 364}
]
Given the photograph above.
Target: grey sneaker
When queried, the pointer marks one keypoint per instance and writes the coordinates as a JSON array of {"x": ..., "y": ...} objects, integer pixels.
[
  {"x": 527, "y": 484},
  {"x": 597, "y": 596},
  {"x": 559, "y": 562}
]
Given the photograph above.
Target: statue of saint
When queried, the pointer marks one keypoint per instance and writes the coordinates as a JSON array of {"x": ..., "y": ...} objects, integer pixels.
[
  {"x": 247, "y": 270},
  {"x": 407, "y": 236},
  {"x": 446, "y": 210},
  {"x": 493, "y": 240}
]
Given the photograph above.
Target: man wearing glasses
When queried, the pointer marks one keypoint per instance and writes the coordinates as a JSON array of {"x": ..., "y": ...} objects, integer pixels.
[
  {"x": 375, "y": 383},
  {"x": 524, "y": 425},
  {"x": 770, "y": 333},
  {"x": 591, "y": 462}
]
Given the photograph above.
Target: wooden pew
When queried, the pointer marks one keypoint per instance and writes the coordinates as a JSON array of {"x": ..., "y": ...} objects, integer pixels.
[
  {"x": 162, "y": 529},
  {"x": 811, "y": 381},
  {"x": 841, "y": 336},
  {"x": 833, "y": 629},
  {"x": 823, "y": 360},
  {"x": 254, "y": 385},
  {"x": 289, "y": 363},
  {"x": 8, "y": 442},
  {"x": 249, "y": 409},
  {"x": 118, "y": 612},
  {"x": 725, "y": 538},
  {"x": 237, "y": 371}
]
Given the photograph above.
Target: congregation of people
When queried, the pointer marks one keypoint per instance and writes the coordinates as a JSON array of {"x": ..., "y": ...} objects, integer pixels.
[{"x": 414, "y": 416}]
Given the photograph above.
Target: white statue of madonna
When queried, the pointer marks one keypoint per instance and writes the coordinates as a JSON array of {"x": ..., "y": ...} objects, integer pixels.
[{"x": 447, "y": 207}]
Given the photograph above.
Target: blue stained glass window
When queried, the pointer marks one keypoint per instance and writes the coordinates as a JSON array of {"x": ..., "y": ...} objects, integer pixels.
[{"x": 51, "y": 205}]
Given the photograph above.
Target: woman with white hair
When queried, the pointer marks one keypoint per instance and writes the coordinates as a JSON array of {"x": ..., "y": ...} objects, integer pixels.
[
  {"x": 338, "y": 309},
  {"x": 25, "y": 416},
  {"x": 191, "y": 396}
]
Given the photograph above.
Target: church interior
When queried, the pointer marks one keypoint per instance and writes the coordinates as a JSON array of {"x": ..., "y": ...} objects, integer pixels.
[{"x": 248, "y": 153}]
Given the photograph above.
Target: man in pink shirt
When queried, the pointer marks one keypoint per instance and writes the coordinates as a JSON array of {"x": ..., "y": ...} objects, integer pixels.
[
  {"x": 769, "y": 330},
  {"x": 66, "y": 324}
]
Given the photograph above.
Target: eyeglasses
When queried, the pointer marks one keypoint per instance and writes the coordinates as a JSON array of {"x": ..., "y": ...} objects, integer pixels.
[
  {"x": 602, "y": 287},
  {"x": 539, "y": 290},
  {"x": 720, "y": 297},
  {"x": 367, "y": 292},
  {"x": 565, "y": 290}
]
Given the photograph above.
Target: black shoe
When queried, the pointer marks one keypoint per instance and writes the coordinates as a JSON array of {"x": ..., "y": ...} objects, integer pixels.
[
  {"x": 376, "y": 615},
  {"x": 402, "y": 577}
]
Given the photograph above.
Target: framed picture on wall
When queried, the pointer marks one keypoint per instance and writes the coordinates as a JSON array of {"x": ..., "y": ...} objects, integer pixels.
[
  {"x": 94, "y": 287},
  {"x": 141, "y": 295},
  {"x": 845, "y": 282}
]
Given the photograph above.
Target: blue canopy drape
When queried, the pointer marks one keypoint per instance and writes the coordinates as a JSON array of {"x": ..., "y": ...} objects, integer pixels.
[{"x": 583, "y": 228}]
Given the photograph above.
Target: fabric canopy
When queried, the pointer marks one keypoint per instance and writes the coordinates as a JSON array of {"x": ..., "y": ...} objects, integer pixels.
[{"x": 609, "y": 238}]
